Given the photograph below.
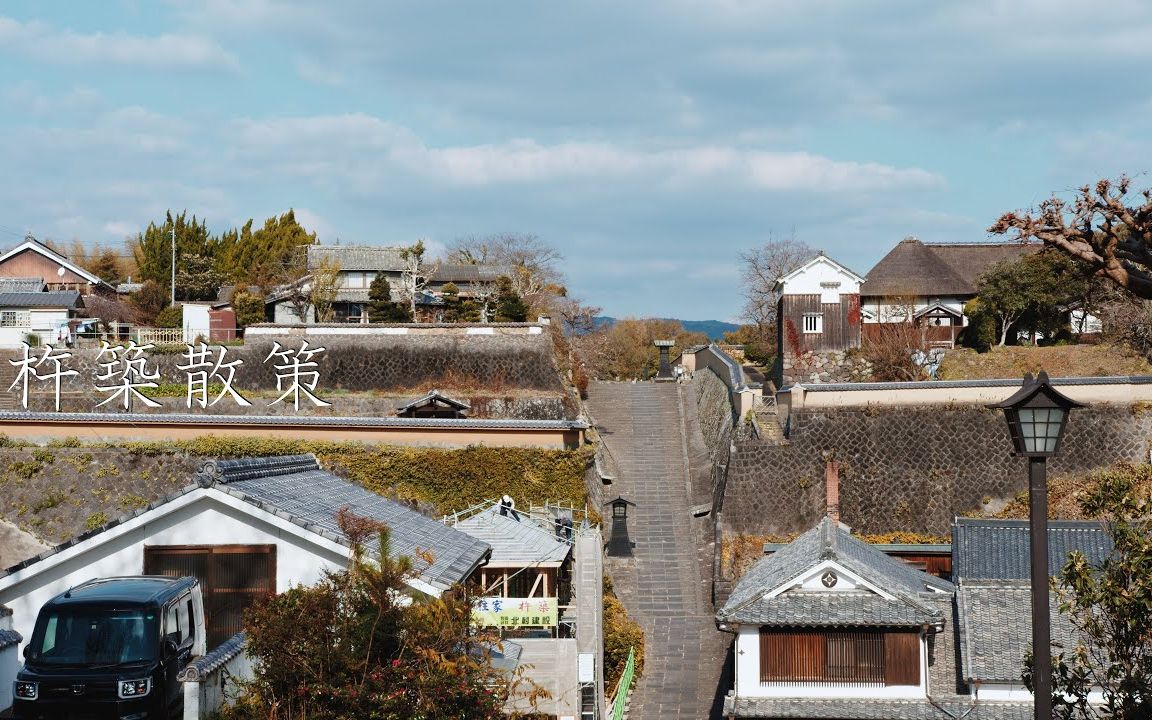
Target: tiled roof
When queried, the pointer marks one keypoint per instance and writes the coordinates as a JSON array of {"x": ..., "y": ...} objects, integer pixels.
[
  {"x": 8, "y": 638},
  {"x": 874, "y": 709},
  {"x": 849, "y": 608},
  {"x": 999, "y": 549},
  {"x": 998, "y": 382},
  {"x": 357, "y": 257},
  {"x": 297, "y": 485},
  {"x": 995, "y": 626},
  {"x": 467, "y": 273},
  {"x": 126, "y": 288},
  {"x": 203, "y": 666},
  {"x": 829, "y": 541},
  {"x": 21, "y": 284},
  {"x": 51, "y": 299},
  {"x": 433, "y": 397},
  {"x": 514, "y": 542},
  {"x": 295, "y": 420},
  {"x": 914, "y": 268}
]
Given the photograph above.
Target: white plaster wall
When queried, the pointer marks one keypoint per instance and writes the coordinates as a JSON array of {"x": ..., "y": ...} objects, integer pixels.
[
  {"x": 10, "y": 664},
  {"x": 203, "y": 519},
  {"x": 897, "y": 312},
  {"x": 220, "y": 688},
  {"x": 748, "y": 677},
  {"x": 808, "y": 282},
  {"x": 196, "y": 321},
  {"x": 283, "y": 313},
  {"x": 11, "y": 337}
]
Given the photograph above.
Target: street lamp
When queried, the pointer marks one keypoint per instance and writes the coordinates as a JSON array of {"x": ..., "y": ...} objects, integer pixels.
[{"x": 1037, "y": 415}]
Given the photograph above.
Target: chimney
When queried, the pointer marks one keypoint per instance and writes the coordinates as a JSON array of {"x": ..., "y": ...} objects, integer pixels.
[{"x": 832, "y": 489}]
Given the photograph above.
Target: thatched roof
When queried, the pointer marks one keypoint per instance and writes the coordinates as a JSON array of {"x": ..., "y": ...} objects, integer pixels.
[{"x": 914, "y": 268}]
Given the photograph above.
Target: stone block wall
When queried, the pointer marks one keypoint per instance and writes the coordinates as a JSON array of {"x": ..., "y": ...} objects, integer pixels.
[
  {"x": 713, "y": 409},
  {"x": 907, "y": 468},
  {"x": 829, "y": 366}
]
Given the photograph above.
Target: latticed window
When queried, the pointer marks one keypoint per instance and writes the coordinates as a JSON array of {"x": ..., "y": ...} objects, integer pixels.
[
  {"x": 15, "y": 318},
  {"x": 870, "y": 658},
  {"x": 813, "y": 323}
]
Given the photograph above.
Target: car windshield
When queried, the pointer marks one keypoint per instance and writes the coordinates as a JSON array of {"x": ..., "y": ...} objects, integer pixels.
[{"x": 86, "y": 636}]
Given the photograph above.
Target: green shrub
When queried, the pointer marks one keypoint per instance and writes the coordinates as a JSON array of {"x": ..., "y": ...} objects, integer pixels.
[
  {"x": 26, "y": 469},
  {"x": 621, "y": 634},
  {"x": 43, "y": 456},
  {"x": 67, "y": 442},
  {"x": 170, "y": 317}
]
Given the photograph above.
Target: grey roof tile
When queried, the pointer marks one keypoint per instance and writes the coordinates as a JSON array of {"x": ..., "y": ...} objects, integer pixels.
[
  {"x": 995, "y": 626},
  {"x": 21, "y": 284},
  {"x": 826, "y": 609},
  {"x": 205, "y": 665},
  {"x": 297, "y": 485},
  {"x": 829, "y": 541},
  {"x": 8, "y": 638},
  {"x": 874, "y": 709},
  {"x": 53, "y": 298},
  {"x": 357, "y": 257},
  {"x": 514, "y": 542},
  {"x": 999, "y": 549}
]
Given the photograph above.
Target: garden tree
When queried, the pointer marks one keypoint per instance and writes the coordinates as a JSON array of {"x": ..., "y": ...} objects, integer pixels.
[
  {"x": 415, "y": 274},
  {"x": 249, "y": 308},
  {"x": 170, "y": 317},
  {"x": 152, "y": 249},
  {"x": 761, "y": 267},
  {"x": 262, "y": 257},
  {"x": 532, "y": 263},
  {"x": 148, "y": 301},
  {"x": 1110, "y": 606},
  {"x": 381, "y": 308},
  {"x": 510, "y": 307},
  {"x": 450, "y": 294},
  {"x": 757, "y": 348},
  {"x": 323, "y": 288},
  {"x": 106, "y": 266},
  {"x": 356, "y": 645},
  {"x": 484, "y": 295},
  {"x": 1101, "y": 227},
  {"x": 624, "y": 350},
  {"x": 576, "y": 317},
  {"x": 197, "y": 278},
  {"x": 1033, "y": 289}
]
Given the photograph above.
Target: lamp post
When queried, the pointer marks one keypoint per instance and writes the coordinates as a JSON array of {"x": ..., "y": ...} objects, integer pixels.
[{"x": 1037, "y": 415}]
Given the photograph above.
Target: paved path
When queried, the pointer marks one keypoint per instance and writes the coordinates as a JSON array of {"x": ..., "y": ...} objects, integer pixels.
[{"x": 665, "y": 585}]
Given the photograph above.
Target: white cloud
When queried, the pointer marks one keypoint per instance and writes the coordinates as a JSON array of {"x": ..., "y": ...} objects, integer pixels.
[{"x": 164, "y": 52}]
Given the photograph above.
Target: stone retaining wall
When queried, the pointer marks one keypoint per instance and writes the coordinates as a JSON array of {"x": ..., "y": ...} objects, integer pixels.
[
  {"x": 829, "y": 366},
  {"x": 907, "y": 468}
]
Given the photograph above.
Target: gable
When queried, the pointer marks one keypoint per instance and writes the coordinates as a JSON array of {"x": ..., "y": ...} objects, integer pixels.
[
  {"x": 822, "y": 276},
  {"x": 31, "y": 259}
]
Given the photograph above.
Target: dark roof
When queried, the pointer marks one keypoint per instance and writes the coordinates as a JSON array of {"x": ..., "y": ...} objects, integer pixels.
[
  {"x": 203, "y": 666},
  {"x": 914, "y": 268},
  {"x": 995, "y": 626},
  {"x": 51, "y": 299},
  {"x": 137, "y": 589},
  {"x": 8, "y": 638},
  {"x": 873, "y": 709},
  {"x": 21, "y": 284},
  {"x": 357, "y": 257},
  {"x": 434, "y": 397},
  {"x": 467, "y": 273},
  {"x": 830, "y": 541},
  {"x": 988, "y": 549},
  {"x": 297, "y": 485}
]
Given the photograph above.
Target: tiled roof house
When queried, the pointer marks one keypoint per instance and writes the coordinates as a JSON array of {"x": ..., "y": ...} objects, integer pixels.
[
  {"x": 264, "y": 524},
  {"x": 825, "y": 627}
]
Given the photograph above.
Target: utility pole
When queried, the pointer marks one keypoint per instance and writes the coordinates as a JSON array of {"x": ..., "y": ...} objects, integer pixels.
[{"x": 173, "y": 301}]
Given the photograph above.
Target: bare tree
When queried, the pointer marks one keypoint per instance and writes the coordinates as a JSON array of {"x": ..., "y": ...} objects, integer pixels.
[
  {"x": 415, "y": 274},
  {"x": 533, "y": 264},
  {"x": 1098, "y": 227},
  {"x": 324, "y": 286},
  {"x": 578, "y": 318},
  {"x": 762, "y": 267}
]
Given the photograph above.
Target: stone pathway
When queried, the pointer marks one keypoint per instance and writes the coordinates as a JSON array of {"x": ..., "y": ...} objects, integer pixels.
[{"x": 665, "y": 585}]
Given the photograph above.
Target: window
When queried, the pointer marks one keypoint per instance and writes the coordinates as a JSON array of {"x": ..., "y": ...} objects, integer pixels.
[
  {"x": 813, "y": 323},
  {"x": 868, "y": 658},
  {"x": 15, "y": 318}
]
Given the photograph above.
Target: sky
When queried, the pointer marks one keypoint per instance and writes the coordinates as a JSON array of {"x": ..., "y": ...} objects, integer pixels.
[{"x": 650, "y": 141}]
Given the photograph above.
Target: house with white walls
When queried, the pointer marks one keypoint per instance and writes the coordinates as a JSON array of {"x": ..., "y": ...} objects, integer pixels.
[
  {"x": 819, "y": 307},
  {"x": 246, "y": 529}
]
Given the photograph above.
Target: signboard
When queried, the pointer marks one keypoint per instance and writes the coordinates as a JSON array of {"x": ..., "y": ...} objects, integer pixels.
[{"x": 515, "y": 612}]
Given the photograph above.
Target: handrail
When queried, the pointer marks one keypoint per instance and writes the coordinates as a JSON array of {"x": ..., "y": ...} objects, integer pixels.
[{"x": 624, "y": 686}]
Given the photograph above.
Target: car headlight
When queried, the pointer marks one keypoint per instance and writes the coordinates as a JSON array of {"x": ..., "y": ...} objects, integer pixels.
[
  {"x": 127, "y": 689},
  {"x": 25, "y": 690}
]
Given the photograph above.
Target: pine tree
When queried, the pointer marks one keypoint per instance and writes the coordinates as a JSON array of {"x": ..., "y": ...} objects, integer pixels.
[
  {"x": 153, "y": 247},
  {"x": 381, "y": 308},
  {"x": 510, "y": 307}
]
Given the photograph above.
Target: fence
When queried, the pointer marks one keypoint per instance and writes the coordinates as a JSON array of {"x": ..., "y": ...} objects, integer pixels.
[
  {"x": 212, "y": 681},
  {"x": 160, "y": 336},
  {"x": 624, "y": 687}
]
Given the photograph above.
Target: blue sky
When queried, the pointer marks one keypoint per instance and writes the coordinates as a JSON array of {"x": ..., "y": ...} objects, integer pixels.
[{"x": 651, "y": 141}]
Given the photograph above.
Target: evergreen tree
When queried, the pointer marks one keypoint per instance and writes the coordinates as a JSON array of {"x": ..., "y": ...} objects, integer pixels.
[
  {"x": 381, "y": 308},
  {"x": 249, "y": 308},
  {"x": 106, "y": 266},
  {"x": 262, "y": 257},
  {"x": 153, "y": 247},
  {"x": 450, "y": 294},
  {"x": 510, "y": 307}
]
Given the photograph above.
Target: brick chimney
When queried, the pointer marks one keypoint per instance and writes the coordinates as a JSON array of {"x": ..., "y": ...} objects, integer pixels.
[{"x": 832, "y": 489}]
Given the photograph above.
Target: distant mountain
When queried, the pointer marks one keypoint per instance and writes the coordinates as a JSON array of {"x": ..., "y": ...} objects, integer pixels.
[{"x": 714, "y": 329}]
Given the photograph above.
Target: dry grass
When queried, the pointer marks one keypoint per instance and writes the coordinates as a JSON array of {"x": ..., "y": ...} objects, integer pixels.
[
  {"x": 739, "y": 553},
  {"x": 1065, "y": 492},
  {"x": 1058, "y": 361}
]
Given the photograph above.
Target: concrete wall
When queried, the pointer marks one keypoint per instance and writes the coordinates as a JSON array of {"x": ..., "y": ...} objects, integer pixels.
[
  {"x": 201, "y": 517},
  {"x": 742, "y": 397},
  {"x": 10, "y": 660},
  {"x": 553, "y": 664},
  {"x": 907, "y": 468}
]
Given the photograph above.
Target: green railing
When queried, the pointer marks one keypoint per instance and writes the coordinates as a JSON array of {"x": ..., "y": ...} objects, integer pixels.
[{"x": 624, "y": 686}]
